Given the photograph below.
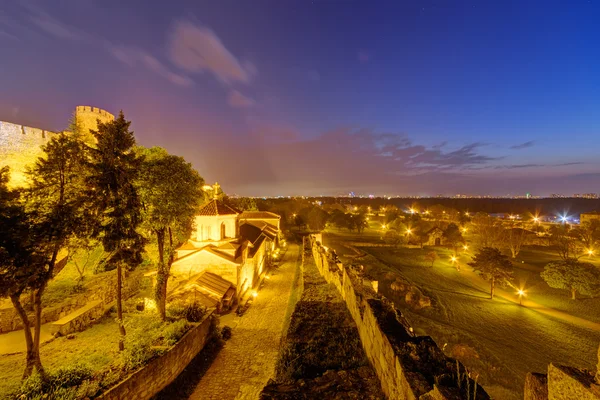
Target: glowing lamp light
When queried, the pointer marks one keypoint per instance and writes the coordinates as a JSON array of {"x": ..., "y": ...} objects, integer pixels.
[
  {"x": 465, "y": 247},
  {"x": 464, "y": 230},
  {"x": 467, "y": 213},
  {"x": 453, "y": 259},
  {"x": 412, "y": 211},
  {"x": 590, "y": 252},
  {"x": 521, "y": 294},
  {"x": 383, "y": 226},
  {"x": 409, "y": 231},
  {"x": 254, "y": 294},
  {"x": 536, "y": 219}
]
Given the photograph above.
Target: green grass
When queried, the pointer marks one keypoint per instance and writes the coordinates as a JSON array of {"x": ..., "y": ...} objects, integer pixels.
[
  {"x": 497, "y": 339},
  {"x": 96, "y": 348}
]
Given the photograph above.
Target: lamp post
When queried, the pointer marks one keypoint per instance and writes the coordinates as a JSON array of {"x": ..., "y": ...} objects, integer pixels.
[{"x": 521, "y": 294}]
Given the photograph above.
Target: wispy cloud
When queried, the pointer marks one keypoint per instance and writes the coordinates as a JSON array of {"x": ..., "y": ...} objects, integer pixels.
[
  {"x": 196, "y": 48},
  {"x": 525, "y": 145},
  {"x": 238, "y": 100}
]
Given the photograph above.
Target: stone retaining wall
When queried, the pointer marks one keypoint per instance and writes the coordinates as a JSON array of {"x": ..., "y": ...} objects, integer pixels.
[
  {"x": 408, "y": 367},
  {"x": 148, "y": 381}
]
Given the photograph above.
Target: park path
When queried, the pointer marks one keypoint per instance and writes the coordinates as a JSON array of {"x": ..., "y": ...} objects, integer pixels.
[
  {"x": 247, "y": 361},
  {"x": 14, "y": 341}
]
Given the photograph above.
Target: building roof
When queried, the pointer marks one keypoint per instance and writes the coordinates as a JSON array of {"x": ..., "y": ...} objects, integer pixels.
[
  {"x": 213, "y": 284},
  {"x": 259, "y": 215},
  {"x": 215, "y": 208}
]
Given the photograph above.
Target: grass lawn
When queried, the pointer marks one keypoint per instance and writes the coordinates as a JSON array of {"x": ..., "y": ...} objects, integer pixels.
[
  {"x": 96, "y": 348},
  {"x": 497, "y": 339}
]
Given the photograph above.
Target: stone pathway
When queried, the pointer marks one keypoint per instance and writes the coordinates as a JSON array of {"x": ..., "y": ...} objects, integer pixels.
[
  {"x": 247, "y": 361},
  {"x": 14, "y": 342}
]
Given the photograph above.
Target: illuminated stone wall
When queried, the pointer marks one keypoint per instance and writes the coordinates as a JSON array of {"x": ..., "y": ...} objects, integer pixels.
[
  {"x": 154, "y": 377},
  {"x": 21, "y": 145}
]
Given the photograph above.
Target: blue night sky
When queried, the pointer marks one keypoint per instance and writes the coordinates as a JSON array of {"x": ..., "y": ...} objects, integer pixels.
[{"x": 317, "y": 97}]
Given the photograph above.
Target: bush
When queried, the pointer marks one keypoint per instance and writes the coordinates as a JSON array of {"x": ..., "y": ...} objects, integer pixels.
[
  {"x": 61, "y": 383},
  {"x": 226, "y": 333},
  {"x": 193, "y": 311},
  {"x": 138, "y": 353},
  {"x": 175, "y": 331}
]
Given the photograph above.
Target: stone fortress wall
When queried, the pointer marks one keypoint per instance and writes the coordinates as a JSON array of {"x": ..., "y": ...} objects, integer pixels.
[{"x": 21, "y": 145}]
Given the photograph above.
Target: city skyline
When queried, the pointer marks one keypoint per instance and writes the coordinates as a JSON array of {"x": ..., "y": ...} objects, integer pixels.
[{"x": 325, "y": 97}]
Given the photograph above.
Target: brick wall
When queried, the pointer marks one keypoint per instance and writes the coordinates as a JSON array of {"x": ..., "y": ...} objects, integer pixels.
[
  {"x": 148, "y": 381},
  {"x": 408, "y": 367}
]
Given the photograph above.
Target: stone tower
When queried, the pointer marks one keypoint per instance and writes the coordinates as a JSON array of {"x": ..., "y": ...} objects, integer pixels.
[{"x": 87, "y": 118}]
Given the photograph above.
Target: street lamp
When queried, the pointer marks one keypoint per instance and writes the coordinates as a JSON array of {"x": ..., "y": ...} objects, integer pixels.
[
  {"x": 453, "y": 259},
  {"x": 590, "y": 252},
  {"x": 521, "y": 294},
  {"x": 464, "y": 230},
  {"x": 465, "y": 247}
]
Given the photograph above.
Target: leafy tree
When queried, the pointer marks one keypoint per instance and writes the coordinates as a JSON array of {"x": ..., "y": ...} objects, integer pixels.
[
  {"x": 171, "y": 193},
  {"x": 453, "y": 236},
  {"x": 573, "y": 275},
  {"x": 114, "y": 169},
  {"x": 492, "y": 266},
  {"x": 487, "y": 231},
  {"x": 360, "y": 222},
  {"x": 562, "y": 241},
  {"x": 588, "y": 233},
  {"x": 21, "y": 266},
  {"x": 431, "y": 257},
  {"x": 420, "y": 232},
  {"x": 243, "y": 203},
  {"x": 393, "y": 237},
  {"x": 317, "y": 218},
  {"x": 54, "y": 202},
  {"x": 515, "y": 238}
]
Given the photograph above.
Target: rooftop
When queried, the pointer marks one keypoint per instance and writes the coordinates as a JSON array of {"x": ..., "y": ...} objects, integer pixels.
[{"x": 216, "y": 208}]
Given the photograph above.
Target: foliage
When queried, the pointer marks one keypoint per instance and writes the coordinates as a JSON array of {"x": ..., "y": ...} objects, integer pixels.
[
  {"x": 492, "y": 266},
  {"x": 56, "y": 384},
  {"x": 453, "y": 236},
  {"x": 393, "y": 237},
  {"x": 171, "y": 192},
  {"x": 515, "y": 238},
  {"x": 226, "y": 332},
  {"x": 588, "y": 233},
  {"x": 175, "y": 331},
  {"x": 562, "y": 241},
  {"x": 573, "y": 275},
  {"x": 114, "y": 169},
  {"x": 243, "y": 203},
  {"x": 191, "y": 311},
  {"x": 487, "y": 231}
]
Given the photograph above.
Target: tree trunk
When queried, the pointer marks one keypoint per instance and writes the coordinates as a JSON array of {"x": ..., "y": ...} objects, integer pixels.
[
  {"x": 37, "y": 329},
  {"x": 573, "y": 293},
  {"x": 492, "y": 288},
  {"x": 161, "y": 276},
  {"x": 120, "y": 308},
  {"x": 27, "y": 331}
]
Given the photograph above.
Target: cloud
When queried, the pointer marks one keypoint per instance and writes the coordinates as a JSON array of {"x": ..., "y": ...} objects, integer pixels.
[
  {"x": 51, "y": 25},
  {"x": 8, "y": 35},
  {"x": 363, "y": 57},
  {"x": 133, "y": 56},
  {"x": 196, "y": 48},
  {"x": 238, "y": 100},
  {"x": 525, "y": 145}
]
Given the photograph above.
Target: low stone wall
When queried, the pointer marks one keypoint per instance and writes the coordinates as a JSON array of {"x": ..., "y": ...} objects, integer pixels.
[
  {"x": 105, "y": 291},
  {"x": 148, "y": 381},
  {"x": 562, "y": 383},
  {"x": 408, "y": 367},
  {"x": 78, "y": 320}
]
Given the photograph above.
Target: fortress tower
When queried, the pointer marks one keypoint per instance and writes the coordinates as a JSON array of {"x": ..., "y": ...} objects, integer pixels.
[{"x": 21, "y": 145}]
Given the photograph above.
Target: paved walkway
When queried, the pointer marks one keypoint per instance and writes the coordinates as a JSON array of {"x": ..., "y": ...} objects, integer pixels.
[
  {"x": 247, "y": 361},
  {"x": 14, "y": 342}
]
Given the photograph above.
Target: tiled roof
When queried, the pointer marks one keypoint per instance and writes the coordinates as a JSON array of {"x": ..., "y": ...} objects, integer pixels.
[
  {"x": 216, "y": 207},
  {"x": 213, "y": 284},
  {"x": 259, "y": 215}
]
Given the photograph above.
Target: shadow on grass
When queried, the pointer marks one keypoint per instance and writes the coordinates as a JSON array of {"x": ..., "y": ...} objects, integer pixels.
[
  {"x": 183, "y": 386},
  {"x": 486, "y": 296}
]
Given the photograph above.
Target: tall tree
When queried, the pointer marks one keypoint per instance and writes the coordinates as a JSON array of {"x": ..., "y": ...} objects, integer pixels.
[
  {"x": 171, "y": 193},
  {"x": 588, "y": 233},
  {"x": 563, "y": 241},
  {"x": 114, "y": 169},
  {"x": 573, "y": 275},
  {"x": 453, "y": 236},
  {"x": 493, "y": 266},
  {"x": 515, "y": 238},
  {"x": 54, "y": 202},
  {"x": 486, "y": 230},
  {"x": 21, "y": 266}
]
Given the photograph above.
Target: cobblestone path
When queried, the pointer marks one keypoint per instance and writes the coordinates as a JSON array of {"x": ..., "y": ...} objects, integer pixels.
[{"x": 247, "y": 361}]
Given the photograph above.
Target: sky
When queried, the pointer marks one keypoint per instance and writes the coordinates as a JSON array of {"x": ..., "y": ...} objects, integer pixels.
[{"x": 324, "y": 97}]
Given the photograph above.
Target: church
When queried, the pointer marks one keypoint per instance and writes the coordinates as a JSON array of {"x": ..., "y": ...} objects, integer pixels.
[{"x": 226, "y": 256}]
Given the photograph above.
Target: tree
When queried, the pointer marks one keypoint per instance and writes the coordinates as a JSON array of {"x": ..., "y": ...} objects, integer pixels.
[
  {"x": 114, "y": 169},
  {"x": 171, "y": 193},
  {"x": 562, "y": 241},
  {"x": 317, "y": 218},
  {"x": 453, "y": 236},
  {"x": 432, "y": 256},
  {"x": 515, "y": 238},
  {"x": 55, "y": 204},
  {"x": 493, "y": 266},
  {"x": 392, "y": 237},
  {"x": 420, "y": 231},
  {"x": 487, "y": 231},
  {"x": 243, "y": 203},
  {"x": 360, "y": 222},
  {"x": 588, "y": 233},
  {"x": 573, "y": 275},
  {"x": 21, "y": 266}
]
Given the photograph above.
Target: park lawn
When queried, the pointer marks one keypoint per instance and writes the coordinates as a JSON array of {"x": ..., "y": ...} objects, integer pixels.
[
  {"x": 496, "y": 339},
  {"x": 96, "y": 348}
]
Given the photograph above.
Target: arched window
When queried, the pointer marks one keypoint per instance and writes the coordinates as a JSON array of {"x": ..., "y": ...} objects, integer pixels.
[
  {"x": 223, "y": 231},
  {"x": 208, "y": 236},
  {"x": 201, "y": 233}
]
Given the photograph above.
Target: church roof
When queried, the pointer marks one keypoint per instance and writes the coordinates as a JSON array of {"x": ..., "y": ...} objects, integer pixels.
[
  {"x": 259, "y": 215},
  {"x": 215, "y": 208}
]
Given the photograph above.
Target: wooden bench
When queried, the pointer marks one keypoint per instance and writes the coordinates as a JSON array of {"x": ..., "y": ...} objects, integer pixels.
[{"x": 79, "y": 319}]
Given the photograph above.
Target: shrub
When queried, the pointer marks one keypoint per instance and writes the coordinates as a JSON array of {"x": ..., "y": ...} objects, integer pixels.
[
  {"x": 193, "y": 311},
  {"x": 226, "y": 333},
  {"x": 60, "y": 384},
  {"x": 138, "y": 353},
  {"x": 175, "y": 331}
]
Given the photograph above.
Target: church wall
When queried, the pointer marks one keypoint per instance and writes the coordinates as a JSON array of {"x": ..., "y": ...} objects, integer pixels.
[
  {"x": 203, "y": 261},
  {"x": 203, "y": 222}
]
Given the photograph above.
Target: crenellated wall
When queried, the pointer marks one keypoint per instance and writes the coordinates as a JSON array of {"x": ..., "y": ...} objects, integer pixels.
[
  {"x": 409, "y": 367},
  {"x": 21, "y": 145}
]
